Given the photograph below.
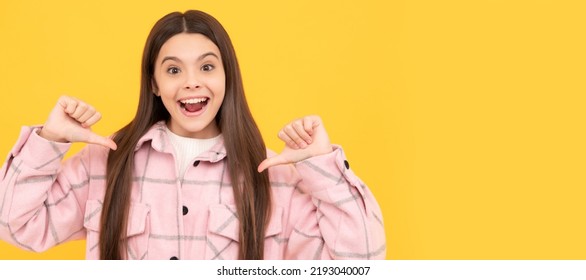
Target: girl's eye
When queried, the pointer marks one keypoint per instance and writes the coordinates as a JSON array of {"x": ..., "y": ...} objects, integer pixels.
[
  {"x": 207, "y": 67},
  {"x": 173, "y": 70}
]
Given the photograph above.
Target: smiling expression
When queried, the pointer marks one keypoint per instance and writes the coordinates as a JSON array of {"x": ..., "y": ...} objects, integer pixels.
[{"x": 189, "y": 77}]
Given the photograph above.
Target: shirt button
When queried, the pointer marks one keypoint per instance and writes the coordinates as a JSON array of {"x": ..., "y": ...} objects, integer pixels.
[
  {"x": 346, "y": 164},
  {"x": 185, "y": 210},
  {"x": 173, "y": 258},
  {"x": 196, "y": 163}
]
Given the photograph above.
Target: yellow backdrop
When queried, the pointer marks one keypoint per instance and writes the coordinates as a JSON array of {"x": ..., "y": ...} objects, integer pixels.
[{"x": 465, "y": 118}]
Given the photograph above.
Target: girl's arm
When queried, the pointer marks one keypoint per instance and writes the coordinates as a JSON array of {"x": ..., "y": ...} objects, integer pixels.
[
  {"x": 335, "y": 215},
  {"x": 42, "y": 202},
  {"x": 338, "y": 216}
]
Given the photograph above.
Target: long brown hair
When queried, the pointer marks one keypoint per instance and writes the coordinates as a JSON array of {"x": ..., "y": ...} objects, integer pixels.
[{"x": 245, "y": 148}]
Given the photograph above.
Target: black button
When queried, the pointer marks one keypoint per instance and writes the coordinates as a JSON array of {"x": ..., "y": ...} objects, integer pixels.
[
  {"x": 196, "y": 163},
  {"x": 173, "y": 258},
  {"x": 185, "y": 210},
  {"x": 346, "y": 164}
]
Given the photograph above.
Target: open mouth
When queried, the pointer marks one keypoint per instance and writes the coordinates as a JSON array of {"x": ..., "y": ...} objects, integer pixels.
[{"x": 194, "y": 104}]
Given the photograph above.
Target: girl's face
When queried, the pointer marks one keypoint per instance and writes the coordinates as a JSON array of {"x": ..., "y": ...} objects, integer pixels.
[{"x": 190, "y": 79}]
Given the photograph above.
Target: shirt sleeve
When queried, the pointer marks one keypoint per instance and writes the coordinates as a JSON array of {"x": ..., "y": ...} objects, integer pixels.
[
  {"x": 42, "y": 200},
  {"x": 342, "y": 220}
]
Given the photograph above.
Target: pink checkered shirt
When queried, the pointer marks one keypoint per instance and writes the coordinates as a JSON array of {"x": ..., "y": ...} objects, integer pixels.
[{"x": 320, "y": 209}]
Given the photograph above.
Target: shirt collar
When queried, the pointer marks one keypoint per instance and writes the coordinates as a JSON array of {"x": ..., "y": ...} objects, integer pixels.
[{"x": 159, "y": 141}]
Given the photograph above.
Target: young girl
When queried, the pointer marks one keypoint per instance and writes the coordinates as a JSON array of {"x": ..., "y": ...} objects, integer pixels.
[{"x": 188, "y": 177}]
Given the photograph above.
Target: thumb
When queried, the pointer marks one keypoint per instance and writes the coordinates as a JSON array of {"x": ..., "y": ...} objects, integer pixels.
[
  {"x": 272, "y": 161},
  {"x": 93, "y": 138}
]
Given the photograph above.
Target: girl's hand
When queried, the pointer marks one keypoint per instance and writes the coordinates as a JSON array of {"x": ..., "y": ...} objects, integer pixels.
[
  {"x": 304, "y": 138},
  {"x": 70, "y": 121}
]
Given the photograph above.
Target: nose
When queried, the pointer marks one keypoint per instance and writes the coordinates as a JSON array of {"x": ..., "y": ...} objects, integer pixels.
[
  {"x": 191, "y": 85},
  {"x": 192, "y": 82}
]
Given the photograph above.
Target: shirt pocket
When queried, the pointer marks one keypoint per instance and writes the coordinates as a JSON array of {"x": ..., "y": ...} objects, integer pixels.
[
  {"x": 137, "y": 230},
  {"x": 224, "y": 229}
]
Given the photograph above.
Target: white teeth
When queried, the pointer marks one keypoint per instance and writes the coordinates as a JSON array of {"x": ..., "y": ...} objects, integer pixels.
[{"x": 193, "y": 100}]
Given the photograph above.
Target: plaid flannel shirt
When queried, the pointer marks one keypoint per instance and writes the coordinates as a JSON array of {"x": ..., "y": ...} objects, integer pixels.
[{"x": 320, "y": 208}]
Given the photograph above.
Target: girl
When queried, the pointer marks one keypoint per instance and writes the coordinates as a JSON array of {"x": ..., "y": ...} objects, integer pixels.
[{"x": 187, "y": 177}]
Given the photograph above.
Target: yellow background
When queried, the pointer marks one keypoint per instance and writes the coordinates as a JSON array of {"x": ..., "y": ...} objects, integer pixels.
[{"x": 465, "y": 118}]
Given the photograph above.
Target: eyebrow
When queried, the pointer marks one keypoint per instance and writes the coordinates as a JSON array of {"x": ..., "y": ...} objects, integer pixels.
[{"x": 198, "y": 59}]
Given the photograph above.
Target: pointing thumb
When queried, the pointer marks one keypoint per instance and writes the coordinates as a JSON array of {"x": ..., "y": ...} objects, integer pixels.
[
  {"x": 100, "y": 140},
  {"x": 272, "y": 161}
]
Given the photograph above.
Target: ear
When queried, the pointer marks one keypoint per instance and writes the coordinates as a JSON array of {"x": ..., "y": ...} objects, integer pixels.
[{"x": 155, "y": 88}]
